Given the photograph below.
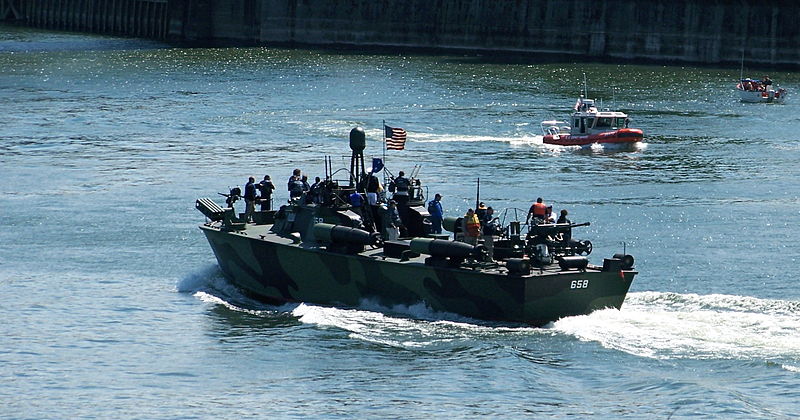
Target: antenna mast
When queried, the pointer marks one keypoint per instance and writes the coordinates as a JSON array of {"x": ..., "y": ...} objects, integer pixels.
[
  {"x": 478, "y": 194},
  {"x": 585, "y": 90},
  {"x": 741, "y": 67}
]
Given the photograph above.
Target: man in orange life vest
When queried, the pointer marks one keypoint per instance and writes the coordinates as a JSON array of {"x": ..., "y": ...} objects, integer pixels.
[
  {"x": 472, "y": 227},
  {"x": 538, "y": 210}
]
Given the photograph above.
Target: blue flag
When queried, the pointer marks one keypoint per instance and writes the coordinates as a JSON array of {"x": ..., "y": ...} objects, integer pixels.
[{"x": 377, "y": 165}]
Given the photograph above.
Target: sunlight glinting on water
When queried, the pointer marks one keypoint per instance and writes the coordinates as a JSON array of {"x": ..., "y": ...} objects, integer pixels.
[{"x": 113, "y": 299}]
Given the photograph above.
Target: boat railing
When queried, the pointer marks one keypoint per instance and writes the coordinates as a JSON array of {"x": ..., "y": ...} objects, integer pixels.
[{"x": 552, "y": 127}]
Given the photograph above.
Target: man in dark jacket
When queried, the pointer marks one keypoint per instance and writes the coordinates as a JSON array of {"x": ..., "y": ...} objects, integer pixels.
[
  {"x": 265, "y": 188},
  {"x": 249, "y": 199},
  {"x": 401, "y": 184},
  {"x": 316, "y": 191},
  {"x": 295, "y": 185}
]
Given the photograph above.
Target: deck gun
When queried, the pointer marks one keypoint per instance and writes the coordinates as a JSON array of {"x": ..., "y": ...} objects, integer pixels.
[
  {"x": 234, "y": 195},
  {"x": 557, "y": 238}
]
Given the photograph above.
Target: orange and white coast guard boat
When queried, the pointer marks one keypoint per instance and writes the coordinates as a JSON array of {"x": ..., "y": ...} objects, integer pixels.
[{"x": 588, "y": 126}]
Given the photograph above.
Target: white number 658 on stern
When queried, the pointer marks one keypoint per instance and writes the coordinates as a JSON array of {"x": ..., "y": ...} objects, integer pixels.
[{"x": 579, "y": 284}]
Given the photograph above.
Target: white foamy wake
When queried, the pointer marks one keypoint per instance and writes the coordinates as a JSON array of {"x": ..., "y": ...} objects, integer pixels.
[
  {"x": 195, "y": 281},
  {"x": 409, "y": 327},
  {"x": 669, "y": 325},
  {"x": 523, "y": 140},
  {"x": 526, "y": 140},
  {"x": 333, "y": 128},
  {"x": 424, "y": 329},
  {"x": 615, "y": 147},
  {"x": 460, "y": 138},
  {"x": 650, "y": 324},
  {"x": 210, "y": 286}
]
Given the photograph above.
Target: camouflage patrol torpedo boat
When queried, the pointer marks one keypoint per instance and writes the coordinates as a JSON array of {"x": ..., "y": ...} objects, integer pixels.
[{"x": 330, "y": 253}]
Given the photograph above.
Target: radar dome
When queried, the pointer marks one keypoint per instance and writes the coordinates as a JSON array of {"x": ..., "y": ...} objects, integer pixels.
[{"x": 358, "y": 140}]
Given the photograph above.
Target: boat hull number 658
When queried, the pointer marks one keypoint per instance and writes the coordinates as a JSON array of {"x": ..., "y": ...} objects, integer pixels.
[{"x": 579, "y": 284}]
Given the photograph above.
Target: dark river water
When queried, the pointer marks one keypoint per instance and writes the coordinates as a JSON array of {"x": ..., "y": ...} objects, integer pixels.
[{"x": 112, "y": 305}]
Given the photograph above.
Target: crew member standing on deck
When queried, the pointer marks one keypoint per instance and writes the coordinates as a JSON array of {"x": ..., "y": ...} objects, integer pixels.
[
  {"x": 481, "y": 211},
  {"x": 265, "y": 188},
  {"x": 472, "y": 227},
  {"x": 401, "y": 184},
  {"x": 357, "y": 206},
  {"x": 249, "y": 199},
  {"x": 373, "y": 187},
  {"x": 316, "y": 191},
  {"x": 394, "y": 223},
  {"x": 489, "y": 228},
  {"x": 306, "y": 189},
  {"x": 436, "y": 214},
  {"x": 295, "y": 185}
]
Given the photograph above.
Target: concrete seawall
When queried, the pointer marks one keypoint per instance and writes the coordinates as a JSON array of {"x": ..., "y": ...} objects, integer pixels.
[
  {"x": 141, "y": 18},
  {"x": 693, "y": 31}
]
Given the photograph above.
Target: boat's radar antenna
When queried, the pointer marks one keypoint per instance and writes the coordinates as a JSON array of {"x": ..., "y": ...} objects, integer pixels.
[{"x": 358, "y": 142}]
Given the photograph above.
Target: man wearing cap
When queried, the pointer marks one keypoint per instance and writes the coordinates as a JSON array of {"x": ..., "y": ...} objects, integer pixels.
[
  {"x": 265, "y": 188},
  {"x": 481, "y": 211}
]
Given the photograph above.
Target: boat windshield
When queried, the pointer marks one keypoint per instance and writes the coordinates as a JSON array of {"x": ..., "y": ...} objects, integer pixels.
[{"x": 604, "y": 122}]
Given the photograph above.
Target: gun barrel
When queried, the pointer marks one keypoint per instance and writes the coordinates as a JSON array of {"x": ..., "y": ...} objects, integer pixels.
[{"x": 581, "y": 224}]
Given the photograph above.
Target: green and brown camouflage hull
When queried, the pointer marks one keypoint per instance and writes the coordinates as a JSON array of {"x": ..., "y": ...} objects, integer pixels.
[{"x": 275, "y": 269}]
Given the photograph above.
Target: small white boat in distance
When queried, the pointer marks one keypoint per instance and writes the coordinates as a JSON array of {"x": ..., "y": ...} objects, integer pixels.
[
  {"x": 760, "y": 91},
  {"x": 589, "y": 125}
]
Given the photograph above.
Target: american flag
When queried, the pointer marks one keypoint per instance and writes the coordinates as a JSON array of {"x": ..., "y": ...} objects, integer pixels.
[{"x": 395, "y": 138}]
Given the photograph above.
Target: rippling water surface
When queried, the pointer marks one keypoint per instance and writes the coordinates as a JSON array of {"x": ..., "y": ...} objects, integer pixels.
[{"x": 112, "y": 304}]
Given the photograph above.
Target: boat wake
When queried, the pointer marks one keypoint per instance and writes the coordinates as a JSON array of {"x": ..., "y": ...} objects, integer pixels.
[
  {"x": 657, "y": 325},
  {"x": 651, "y": 324},
  {"x": 423, "y": 329},
  {"x": 415, "y": 326},
  {"x": 333, "y": 128},
  {"x": 200, "y": 279},
  {"x": 531, "y": 141},
  {"x": 677, "y": 326},
  {"x": 456, "y": 138},
  {"x": 210, "y": 286}
]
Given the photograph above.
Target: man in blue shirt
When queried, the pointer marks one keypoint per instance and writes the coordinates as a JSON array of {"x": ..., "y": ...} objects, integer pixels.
[
  {"x": 436, "y": 212},
  {"x": 357, "y": 201}
]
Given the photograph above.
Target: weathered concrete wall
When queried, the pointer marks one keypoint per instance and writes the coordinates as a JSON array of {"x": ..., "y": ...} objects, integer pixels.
[
  {"x": 710, "y": 31},
  {"x": 704, "y": 31},
  {"x": 143, "y": 18}
]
